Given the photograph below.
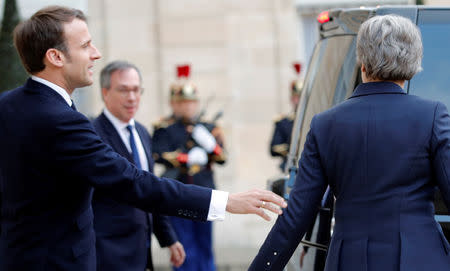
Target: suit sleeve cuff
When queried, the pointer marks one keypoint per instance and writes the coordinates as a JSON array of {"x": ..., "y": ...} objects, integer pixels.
[{"x": 218, "y": 205}]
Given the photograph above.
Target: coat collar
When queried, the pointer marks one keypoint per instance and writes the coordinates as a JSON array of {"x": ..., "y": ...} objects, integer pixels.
[
  {"x": 61, "y": 91},
  {"x": 372, "y": 88},
  {"x": 114, "y": 137},
  {"x": 32, "y": 86}
]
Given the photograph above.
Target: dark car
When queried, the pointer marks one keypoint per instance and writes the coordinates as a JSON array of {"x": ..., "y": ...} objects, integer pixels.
[{"x": 333, "y": 74}]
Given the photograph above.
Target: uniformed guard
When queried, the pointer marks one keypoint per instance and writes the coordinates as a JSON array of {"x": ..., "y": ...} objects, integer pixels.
[
  {"x": 159, "y": 127},
  {"x": 279, "y": 145},
  {"x": 190, "y": 147}
]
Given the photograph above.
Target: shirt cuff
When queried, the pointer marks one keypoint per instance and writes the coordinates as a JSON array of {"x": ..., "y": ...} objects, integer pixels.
[{"x": 217, "y": 205}]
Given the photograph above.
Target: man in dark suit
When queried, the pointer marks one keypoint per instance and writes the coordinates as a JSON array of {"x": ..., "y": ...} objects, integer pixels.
[
  {"x": 123, "y": 233},
  {"x": 52, "y": 158},
  {"x": 382, "y": 152}
]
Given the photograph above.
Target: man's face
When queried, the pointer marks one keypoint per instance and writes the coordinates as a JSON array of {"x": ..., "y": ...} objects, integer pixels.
[
  {"x": 294, "y": 100},
  {"x": 80, "y": 56},
  {"x": 188, "y": 109},
  {"x": 123, "y": 97},
  {"x": 176, "y": 109}
]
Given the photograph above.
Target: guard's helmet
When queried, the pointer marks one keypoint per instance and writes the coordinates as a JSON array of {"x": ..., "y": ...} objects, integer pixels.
[
  {"x": 296, "y": 87},
  {"x": 183, "y": 90}
]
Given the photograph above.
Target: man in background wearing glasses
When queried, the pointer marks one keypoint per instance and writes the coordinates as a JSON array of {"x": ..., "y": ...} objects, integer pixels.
[{"x": 123, "y": 232}]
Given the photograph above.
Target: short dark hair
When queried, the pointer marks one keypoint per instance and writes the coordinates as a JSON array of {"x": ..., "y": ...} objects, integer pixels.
[
  {"x": 118, "y": 65},
  {"x": 44, "y": 30}
]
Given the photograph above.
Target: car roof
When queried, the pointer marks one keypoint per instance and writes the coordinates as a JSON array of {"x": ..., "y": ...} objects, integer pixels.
[{"x": 346, "y": 21}]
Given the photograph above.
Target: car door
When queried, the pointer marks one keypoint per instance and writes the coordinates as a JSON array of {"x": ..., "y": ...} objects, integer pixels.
[
  {"x": 331, "y": 77},
  {"x": 434, "y": 81}
]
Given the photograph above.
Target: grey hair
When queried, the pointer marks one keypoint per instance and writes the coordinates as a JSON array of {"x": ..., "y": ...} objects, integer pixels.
[
  {"x": 390, "y": 47},
  {"x": 118, "y": 65}
]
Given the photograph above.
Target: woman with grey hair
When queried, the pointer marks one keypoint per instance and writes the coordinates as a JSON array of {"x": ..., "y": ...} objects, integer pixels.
[
  {"x": 389, "y": 48},
  {"x": 382, "y": 153}
]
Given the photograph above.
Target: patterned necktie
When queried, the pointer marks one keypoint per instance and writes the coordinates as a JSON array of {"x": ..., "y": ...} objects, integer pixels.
[{"x": 134, "y": 152}]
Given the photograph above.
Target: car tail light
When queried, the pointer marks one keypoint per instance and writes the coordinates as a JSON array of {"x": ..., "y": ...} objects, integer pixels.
[{"x": 323, "y": 17}]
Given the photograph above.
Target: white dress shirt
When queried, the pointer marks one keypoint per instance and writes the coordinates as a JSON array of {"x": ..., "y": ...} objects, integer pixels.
[
  {"x": 55, "y": 87},
  {"x": 219, "y": 199},
  {"x": 121, "y": 128}
]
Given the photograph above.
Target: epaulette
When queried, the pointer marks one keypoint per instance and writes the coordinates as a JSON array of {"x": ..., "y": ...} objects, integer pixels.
[
  {"x": 281, "y": 149},
  {"x": 163, "y": 123},
  {"x": 279, "y": 118}
]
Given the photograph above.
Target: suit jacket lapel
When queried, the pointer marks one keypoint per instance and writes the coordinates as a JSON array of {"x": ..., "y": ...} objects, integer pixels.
[
  {"x": 32, "y": 86},
  {"x": 114, "y": 138}
]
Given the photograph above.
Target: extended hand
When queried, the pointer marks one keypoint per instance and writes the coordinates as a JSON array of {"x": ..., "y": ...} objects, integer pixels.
[
  {"x": 177, "y": 254},
  {"x": 254, "y": 202}
]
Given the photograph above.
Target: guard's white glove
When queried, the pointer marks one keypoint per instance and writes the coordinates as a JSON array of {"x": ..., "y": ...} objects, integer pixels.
[
  {"x": 204, "y": 138},
  {"x": 197, "y": 156}
]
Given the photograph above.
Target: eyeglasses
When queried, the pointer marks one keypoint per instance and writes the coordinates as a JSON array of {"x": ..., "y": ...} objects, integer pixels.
[{"x": 124, "y": 92}]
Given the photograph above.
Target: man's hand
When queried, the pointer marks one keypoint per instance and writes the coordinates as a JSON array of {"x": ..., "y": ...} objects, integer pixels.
[
  {"x": 254, "y": 202},
  {"x": 177, "y": 254}
]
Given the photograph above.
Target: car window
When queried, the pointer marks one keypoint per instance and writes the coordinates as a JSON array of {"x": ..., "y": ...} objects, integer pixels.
[
  {"x": 314, "y": 62},
  {"x": 434, "y": 81},
  {"x": 324, "y": 81}
]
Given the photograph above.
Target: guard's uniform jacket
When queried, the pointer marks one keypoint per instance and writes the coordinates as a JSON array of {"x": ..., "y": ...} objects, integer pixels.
[
  {"x": 171, "y": 143},
  {"x": 175, "y": 139},
  {"x": 159, "y": 132},
  {"x": 279, "y": 146}
]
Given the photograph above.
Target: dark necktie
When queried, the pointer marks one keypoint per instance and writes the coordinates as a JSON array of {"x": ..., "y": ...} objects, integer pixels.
[
  {"x": 134, "y": 152},
  {"x": 73, "y": 106}
]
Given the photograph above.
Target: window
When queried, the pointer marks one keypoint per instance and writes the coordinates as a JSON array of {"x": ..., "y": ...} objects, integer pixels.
[
  {"x": 329, "y": 78},
  {"x": 434, "y": 81}
]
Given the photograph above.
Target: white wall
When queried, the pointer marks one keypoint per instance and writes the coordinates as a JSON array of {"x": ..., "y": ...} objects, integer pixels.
[{"x": 28, "y": 7}]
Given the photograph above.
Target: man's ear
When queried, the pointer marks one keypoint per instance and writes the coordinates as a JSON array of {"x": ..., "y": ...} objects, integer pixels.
[
  {"x": 364, "y": 74},
  {"x": 104, "y": 93},
  {"x": 55, "y": 57}
]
